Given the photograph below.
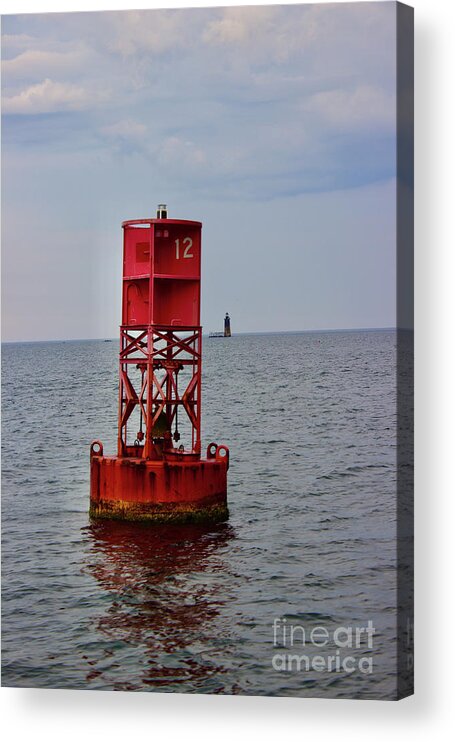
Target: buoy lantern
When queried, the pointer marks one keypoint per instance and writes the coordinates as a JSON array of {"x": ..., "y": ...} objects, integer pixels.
[{"x": 158, "y": 473}]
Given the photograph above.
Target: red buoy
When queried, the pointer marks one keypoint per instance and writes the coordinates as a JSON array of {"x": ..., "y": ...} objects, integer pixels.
[{"x": 158, "y": 473}]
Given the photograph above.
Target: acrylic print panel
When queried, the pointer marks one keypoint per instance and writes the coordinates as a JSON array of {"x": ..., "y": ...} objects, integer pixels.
[{"x": 250, "y": 487}]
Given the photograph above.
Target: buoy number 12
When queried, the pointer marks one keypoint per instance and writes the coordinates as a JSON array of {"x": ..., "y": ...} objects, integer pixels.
[{"x": 187, "y": 244}]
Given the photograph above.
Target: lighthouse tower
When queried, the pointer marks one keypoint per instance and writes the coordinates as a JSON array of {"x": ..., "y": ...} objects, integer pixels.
[
  {"x": 158, "y": 473},
  {"x": 227, "y": 326}
]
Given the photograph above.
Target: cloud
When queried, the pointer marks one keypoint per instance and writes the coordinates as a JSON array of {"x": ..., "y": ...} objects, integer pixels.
[
  {"x": 137, "y": 31},
  {"x": 259, "y": 33},
  {"x": 267, "y": 100},
  {"x": 170, "y": 154},
  {"x": 180, "y": 153},
  {"x": 126, "y": 129},
  {"x": 241, "y": 25},
  {"x": 38, "y": 63},
  {"x": 47, "y": 97},
  {"x": 349, "y": 110},
  {"x": 16, "y": 42},
  {"x": 314, "y": 33},
  {"x": 126, "y": 136}
]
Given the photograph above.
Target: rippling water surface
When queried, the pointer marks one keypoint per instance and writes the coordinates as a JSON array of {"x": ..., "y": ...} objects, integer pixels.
[{"x": 310, "y": 422}]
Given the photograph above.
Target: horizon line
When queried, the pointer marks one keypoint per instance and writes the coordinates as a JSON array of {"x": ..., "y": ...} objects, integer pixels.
[{"x": 206, "y": 334}]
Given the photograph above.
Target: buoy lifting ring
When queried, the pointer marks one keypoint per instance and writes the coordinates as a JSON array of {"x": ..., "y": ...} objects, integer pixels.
[
  {"x": 96, "y": 448},
  {"x": 211, "y": 450},
  {"x": 222, "y": 454}
]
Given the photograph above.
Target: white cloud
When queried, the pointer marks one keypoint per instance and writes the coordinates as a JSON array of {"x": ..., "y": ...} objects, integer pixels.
[
  {"x": 366, "y": 106},
  {"x": 170, "y": 154},
  {"x": 259, "y": 33},
  {"x": 241, "y": 25},
  {"x": 315, "y": 33},
  {"x": 143, "y": 31},
  {"x": 213, "y": 96},
  {"x": 38, "y": 63},
  {"x": 126, "y": 136},
  {"x": 47, "y": 97},
  {"x": 127, "y": 129},
  {"x": 16, "y": 41},
  {"x": 177, "y": 152}
]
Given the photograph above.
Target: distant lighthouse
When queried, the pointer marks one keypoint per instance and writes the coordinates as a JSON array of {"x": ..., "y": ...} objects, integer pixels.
[{"x": 227, "y": 326}]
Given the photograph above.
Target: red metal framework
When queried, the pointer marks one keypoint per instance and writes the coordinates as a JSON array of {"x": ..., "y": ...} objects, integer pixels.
[
  {"x": 161, "y": 355},
  {"x": 160, "y": 339}
]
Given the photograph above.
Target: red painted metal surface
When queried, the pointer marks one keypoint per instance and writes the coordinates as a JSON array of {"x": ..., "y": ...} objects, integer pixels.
[{"x": 158, "y": 472}]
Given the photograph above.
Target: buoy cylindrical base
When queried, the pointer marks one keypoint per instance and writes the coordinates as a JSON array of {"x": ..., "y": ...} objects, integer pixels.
[{"x": 158, "y": 491}]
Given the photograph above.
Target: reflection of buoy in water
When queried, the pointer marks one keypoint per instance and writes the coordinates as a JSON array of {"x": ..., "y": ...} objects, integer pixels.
[
  {"x": 151, "y": 478},
  {"x": 153, "y": 606}
]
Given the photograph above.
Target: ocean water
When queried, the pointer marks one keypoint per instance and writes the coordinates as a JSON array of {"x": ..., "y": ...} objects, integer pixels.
[{"x": 310, "y": 420}]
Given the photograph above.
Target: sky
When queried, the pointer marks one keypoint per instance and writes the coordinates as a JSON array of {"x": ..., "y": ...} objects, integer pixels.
[{"x": 273, "y": 125}]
